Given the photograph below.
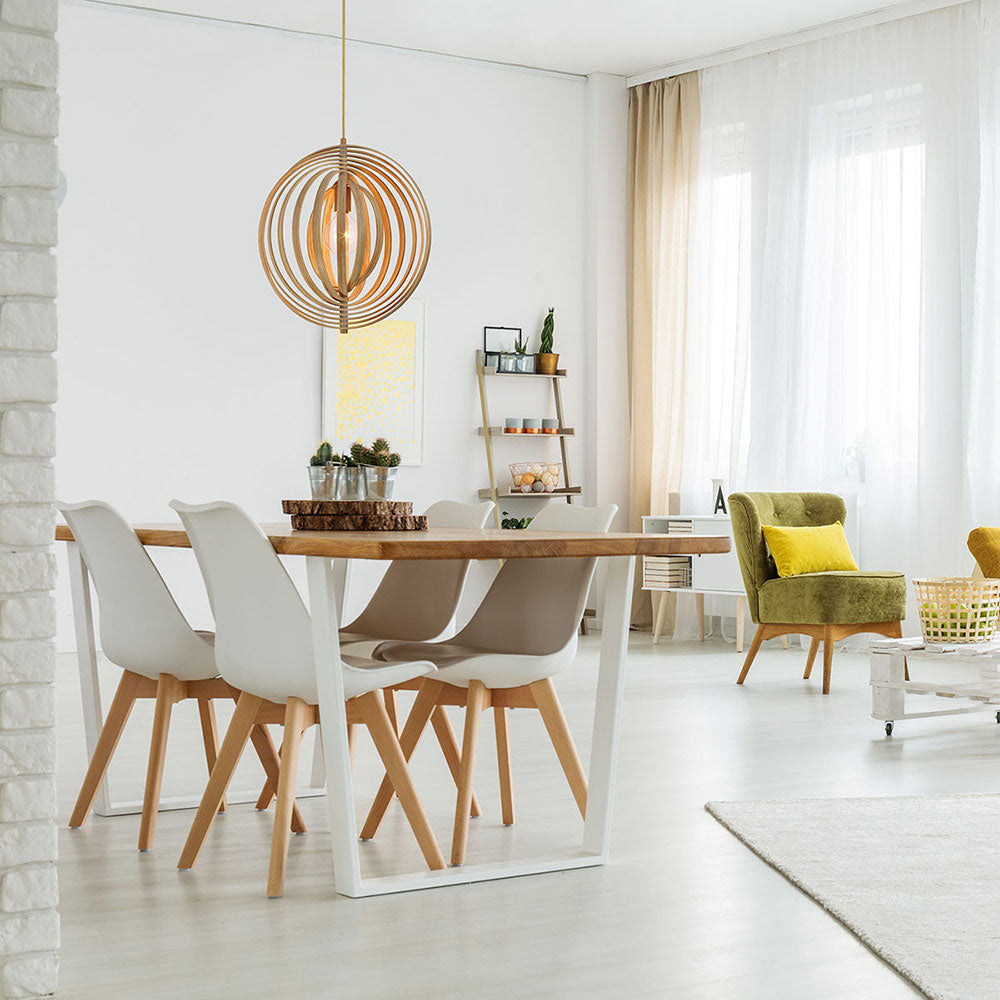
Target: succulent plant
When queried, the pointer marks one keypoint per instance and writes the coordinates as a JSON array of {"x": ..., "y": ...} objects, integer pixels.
[
  {"x": 357, "y": 450},
  {"x": 393, "y": 460},
  {"x": 380, "y": 445},
  {"x": 521, "y": 345},
  {"x": 514, "y": 523},
  {"x": 548, "y": 328},
  {"x": 325, "y": 455}
]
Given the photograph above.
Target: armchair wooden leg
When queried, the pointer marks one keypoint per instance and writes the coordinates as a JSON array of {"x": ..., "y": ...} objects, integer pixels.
[
  {"x": 389, "y": 697},
  {"x": 169, "y": 690},
  {"x": 229, "y": 756},
  {"x": 555, "y": 723},
  {"x": 387, "y": 744},
  {"x": 416, "y": 723},
  {"x": 828, "y": 641},
  {"x": 813, "y": 650},
  {"x": 449, "y": 747},
  {"x": 758, "y": 638},
  {"x": 295, "y": 715},
  {"x": 111, "y": 731},
  {"x": 502, "y": 727},
  {"x": 474, "y": 705},
  {"x": 210, "y": 737}
]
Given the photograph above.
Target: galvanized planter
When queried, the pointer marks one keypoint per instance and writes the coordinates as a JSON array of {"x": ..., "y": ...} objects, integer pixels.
[
  {"x": 352, "y": 483},
  {"x": 323, "y": 481},
  {"x": 380, "y": 481}
]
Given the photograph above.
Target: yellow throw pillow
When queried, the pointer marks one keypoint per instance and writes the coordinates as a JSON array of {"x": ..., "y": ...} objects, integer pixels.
[
  {"x": 809, "y": 550},
  {"x": 984, "y": 544}
]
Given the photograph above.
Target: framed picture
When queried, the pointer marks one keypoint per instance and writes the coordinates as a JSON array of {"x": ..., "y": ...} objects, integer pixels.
[
  {"x": 500, "y": 339},
  {"x": 373, "y": 384}
]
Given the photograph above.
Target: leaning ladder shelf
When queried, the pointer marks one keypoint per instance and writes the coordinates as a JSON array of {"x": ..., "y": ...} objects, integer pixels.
[{"x": 489, "y": 431}]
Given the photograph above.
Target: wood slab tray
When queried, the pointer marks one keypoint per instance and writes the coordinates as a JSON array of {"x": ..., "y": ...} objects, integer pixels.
[
  {"x": 377, "y": 507},
  {"x": 359, "y": 522}
]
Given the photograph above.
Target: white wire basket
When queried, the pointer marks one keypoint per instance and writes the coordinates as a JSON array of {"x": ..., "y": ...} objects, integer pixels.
[{"x": 957, "y": 609}]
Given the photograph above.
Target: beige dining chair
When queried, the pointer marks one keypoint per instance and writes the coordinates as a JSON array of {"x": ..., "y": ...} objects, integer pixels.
[{"x": 523, "y": 634}]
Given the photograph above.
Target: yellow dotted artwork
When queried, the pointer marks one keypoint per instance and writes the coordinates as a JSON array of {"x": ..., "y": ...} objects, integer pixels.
[{"x": 378, "y": 385}]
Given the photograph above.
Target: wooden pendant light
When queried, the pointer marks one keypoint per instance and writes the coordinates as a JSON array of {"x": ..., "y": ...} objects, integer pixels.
[{"x": 345, "y": 234}]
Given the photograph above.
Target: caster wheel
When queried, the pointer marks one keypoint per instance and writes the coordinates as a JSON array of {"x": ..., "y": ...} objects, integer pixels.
[
  {"x": 998, "y": 718},
  {"x": 888, "y": 726}
]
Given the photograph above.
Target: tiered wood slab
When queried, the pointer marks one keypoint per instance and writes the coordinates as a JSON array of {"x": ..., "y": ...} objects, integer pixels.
[{"x": 354, "y": 515}]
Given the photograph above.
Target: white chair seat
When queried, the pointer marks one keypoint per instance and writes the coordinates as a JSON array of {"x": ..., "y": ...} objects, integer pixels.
[
  {"x": 458, "y": 665},
  {"x": 363, "y": 674}
]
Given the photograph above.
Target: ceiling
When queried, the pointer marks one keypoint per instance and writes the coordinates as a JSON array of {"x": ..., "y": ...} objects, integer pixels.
[{"x": 573, "y": 36}]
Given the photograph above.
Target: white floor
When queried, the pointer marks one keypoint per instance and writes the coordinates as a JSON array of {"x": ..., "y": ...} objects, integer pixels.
[{"x": 683, "y": 911}]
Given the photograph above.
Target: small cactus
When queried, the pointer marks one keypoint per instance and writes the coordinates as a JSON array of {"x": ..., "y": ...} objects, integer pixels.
[
  {"x": 380, "y": 445},
  {"x": 548, "y": 328},
  {"x": 316, "y": 460},
  {"x": 357, "y": 450},
  {"x": 393, "y": 460},
  {"x": 325, "y": 453}
]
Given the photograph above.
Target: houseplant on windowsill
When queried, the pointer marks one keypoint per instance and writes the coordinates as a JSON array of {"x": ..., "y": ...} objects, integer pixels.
[{"x": 547, "y": 361}]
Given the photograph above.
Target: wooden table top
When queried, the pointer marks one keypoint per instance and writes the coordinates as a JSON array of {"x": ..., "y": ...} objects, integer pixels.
[{"x": 449, "y": 543}]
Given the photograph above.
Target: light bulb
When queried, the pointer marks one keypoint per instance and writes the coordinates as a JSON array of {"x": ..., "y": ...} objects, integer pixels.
[{"x": 348, "y": 237}]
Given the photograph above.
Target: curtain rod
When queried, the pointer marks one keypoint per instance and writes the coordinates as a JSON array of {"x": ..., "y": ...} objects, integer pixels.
[{"x": 883, "y": 15}]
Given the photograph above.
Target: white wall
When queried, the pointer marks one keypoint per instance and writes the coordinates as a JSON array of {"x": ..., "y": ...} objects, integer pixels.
[{"x": 182, "y": 374}]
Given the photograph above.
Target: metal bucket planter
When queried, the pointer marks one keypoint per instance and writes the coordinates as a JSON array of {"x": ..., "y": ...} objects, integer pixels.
[
  {"x": 352, "y": 483},
  {"x": 323, "y": 481},
  {"x": 508, "y": 364},
  {"x": 379, "y": 481},
  {"x": 525, "y": 364}
]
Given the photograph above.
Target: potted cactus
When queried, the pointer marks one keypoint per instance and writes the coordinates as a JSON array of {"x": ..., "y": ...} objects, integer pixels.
[
  {"x": 379, "y": 463},
  {"x": 547, "y": 361},
  {"x": 524, "y": 363},
  {"x": 324, "y": 471}
]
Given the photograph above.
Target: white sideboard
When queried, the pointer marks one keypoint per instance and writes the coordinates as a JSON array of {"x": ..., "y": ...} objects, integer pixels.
[{"x": 717, "y": 574}]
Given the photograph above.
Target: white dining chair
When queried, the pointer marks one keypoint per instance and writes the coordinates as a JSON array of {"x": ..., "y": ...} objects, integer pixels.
[
  {"x": 416, "y": 600},
  {"x": 161, "y": 656},
  {"x": 264, "y": 648},
  {"x": 523, "y": 634}
]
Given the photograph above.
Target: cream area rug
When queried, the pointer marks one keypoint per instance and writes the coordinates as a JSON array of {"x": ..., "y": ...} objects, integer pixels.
[{"x": 916, "y": 879}]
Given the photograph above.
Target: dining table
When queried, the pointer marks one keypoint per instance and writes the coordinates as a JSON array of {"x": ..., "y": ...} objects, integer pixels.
[{"x": 328, "y": 555}]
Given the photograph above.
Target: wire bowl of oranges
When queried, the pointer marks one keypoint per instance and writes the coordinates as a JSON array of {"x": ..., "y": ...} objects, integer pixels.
[{"x": 535, "y": 477}]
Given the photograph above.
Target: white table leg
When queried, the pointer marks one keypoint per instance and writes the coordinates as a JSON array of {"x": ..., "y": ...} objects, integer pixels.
[
  {"x": 607, "y": 710},
  {"x": 324, "y": 609},
  {"x": 86, "y": 651},
  {"x": 341, "y": 581}
]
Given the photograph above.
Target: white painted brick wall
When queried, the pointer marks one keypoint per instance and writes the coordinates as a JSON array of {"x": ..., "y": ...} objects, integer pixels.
[{"x": 29, "y": 175}]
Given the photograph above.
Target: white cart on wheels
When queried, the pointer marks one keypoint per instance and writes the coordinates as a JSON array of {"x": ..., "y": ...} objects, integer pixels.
[{"x": 969, "y": 673}]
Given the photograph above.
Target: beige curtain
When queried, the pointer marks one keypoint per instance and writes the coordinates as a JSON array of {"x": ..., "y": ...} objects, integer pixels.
[{"x": 664, "y": 135}]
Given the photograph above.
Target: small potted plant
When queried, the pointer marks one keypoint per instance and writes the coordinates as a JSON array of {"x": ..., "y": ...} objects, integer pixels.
[
  {"x": 379, "y": 464},
  {"x": 324, "y": 472},
  {"x": 351, "y": 484},
  {"x": 524, "y": 363},
  {"x": 547, "y": 361}
]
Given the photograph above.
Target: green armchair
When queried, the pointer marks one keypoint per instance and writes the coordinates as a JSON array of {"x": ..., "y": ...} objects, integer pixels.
[{"x": 824, "y": 606}]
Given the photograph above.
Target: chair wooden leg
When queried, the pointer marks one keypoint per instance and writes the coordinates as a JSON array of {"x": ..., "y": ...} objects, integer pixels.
[
  {"x": 386, "y": 743},
  {"x": 827, "y": 658},
  {"x": 169, "y": 690},
  {"x": 555, "y": 723},
  {"x": 449, "y": 747},
  {"x": 758, "y": 638},
  {"x": 813, "y": 650},
  {"x": 416, "y": 723},
  {"x": 233, "y": 743},
  {"x": 389, "y": 697},
  {"x": 114, "y": 723},
  {"x": 501, "y": 726},
  {"x": 475, "y": 702},
  {"x": 295, "y": 718},
  {"x": 269, "y": 760},
  {"x": 210, "y": 737},
  {"x": 352, "y": 739}
]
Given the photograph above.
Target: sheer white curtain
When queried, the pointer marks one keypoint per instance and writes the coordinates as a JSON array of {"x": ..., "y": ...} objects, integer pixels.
[{"x": 833, "y": 342}]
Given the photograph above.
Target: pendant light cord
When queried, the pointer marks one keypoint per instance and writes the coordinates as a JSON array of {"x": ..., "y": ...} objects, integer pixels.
[{"x": 343, "y": 69}]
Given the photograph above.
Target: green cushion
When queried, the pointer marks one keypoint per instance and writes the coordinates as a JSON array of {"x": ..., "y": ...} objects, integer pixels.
[{"x": 841, "y": 598}]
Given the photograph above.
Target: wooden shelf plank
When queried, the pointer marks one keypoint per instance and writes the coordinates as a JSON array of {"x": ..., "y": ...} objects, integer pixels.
[
  {"x": 499, "y": 432},
  {"x": 491, "y": 372},
  {"x": 507, "y": 493}
]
